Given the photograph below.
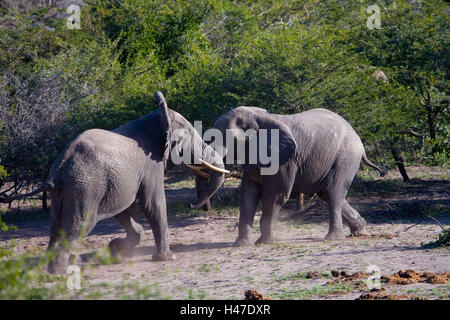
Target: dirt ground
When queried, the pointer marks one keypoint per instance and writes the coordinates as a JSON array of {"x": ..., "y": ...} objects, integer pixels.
[{"x": 298, "y": 266}]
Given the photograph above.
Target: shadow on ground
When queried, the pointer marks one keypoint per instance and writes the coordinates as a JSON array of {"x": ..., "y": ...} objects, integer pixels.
[
  {"x": 148, "y": 251},
  {"x": 385, "y": 201}
]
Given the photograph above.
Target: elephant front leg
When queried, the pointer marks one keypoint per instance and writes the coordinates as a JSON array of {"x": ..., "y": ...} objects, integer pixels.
[
  {"x": 277, "y": 190},
  {"x": 250, "y": 193},
  {"x": 156, "y": 213}
]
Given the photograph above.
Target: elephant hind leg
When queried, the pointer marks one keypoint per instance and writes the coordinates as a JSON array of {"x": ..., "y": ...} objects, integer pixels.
[
  {"x": 352, "y": 218},
  {"x": 55, "y": 219},
  {"x": 341, "y": 211},
  {"x": 340, "y": 179},
  {"x": 72, "y": 218},
  {"x": 335, "y": 198},
  {"x": 135, "y": 233},
  {"x": 335, "y": 229}
]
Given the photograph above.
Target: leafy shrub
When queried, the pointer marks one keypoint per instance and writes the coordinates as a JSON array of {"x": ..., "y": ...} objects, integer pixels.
[{"x": 442, "y": 241}]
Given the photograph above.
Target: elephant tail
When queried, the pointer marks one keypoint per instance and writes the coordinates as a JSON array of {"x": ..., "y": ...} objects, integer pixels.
[
  {"x": 46, "y": 186},
  {"x": 382, "y": 171}
]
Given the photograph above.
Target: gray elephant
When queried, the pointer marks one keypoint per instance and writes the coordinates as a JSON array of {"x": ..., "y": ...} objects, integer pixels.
[
  {"x": 319, "y": 152},
  {"x": 101, "y": 174}
]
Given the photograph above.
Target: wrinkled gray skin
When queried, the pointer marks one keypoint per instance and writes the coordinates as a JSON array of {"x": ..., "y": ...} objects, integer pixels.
[
  {"x": 101, "y": 174},
  {"x": 319, "y": 153}
]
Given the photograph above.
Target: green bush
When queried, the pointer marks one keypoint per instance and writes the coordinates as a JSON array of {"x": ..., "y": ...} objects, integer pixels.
[
  {"x": 24, "y": 276},
  {"x": 210, "y": 56},
  {"x": 442, "y": 241}
]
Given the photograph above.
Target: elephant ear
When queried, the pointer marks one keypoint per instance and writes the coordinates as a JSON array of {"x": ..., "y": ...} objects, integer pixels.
[
  {"x": 280, "y": 142},
  {"x": 164, "y": 121}
]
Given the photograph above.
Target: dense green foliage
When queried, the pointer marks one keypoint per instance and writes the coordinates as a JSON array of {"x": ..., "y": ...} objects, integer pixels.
[{"x": 208, "y": 56}]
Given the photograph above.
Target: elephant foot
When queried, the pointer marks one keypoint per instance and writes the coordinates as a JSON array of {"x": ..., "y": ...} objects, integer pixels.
[
  {"x": 335, "y": 235},
  {"x": 120, "y": 248},
  {"x": 164, "y": 256},
  {"x": 58, "y": 265},
  {"x": 265, "y": 240},
  {"x": 242, "y": 242},
  {"x": 206, "y": 206},
  {"x": 358, "y": 227}
]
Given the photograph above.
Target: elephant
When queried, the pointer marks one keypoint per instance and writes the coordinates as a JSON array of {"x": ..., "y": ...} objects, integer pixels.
[
  {"x": 319, "y": 153},
  {"x": 102, "y": 174}
]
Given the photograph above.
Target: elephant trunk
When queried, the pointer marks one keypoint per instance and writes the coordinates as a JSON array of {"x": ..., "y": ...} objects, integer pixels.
[
  {"x": 208, "y": 191},
  {"x": 210, "y": 176}
]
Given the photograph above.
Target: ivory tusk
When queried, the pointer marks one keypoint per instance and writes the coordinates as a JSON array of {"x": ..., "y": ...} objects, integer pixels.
[
  {"x": 209, "y": 166},
  {"x": 198, "y": 171}
]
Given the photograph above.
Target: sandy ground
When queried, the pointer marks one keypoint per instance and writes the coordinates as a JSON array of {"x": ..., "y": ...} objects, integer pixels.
[{"x": 207, "y": 266}]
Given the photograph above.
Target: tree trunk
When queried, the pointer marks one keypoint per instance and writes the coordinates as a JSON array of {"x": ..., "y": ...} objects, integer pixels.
[
  {"x": 44, "y": 200},
  {"x": 431, "y": 123},
  {"x": 396, "y": 152},
  {"x": 431, "y": 112}
]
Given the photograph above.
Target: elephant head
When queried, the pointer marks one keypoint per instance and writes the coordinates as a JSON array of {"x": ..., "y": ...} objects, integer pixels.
[
  {"x": 184, "y": 145},
  {"x": 253, "y": 138}
]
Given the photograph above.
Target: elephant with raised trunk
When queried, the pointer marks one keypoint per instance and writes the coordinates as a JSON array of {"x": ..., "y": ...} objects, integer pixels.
[
  {"x": 101, "y": 174},
  {"x": 318, "y": 152}
]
